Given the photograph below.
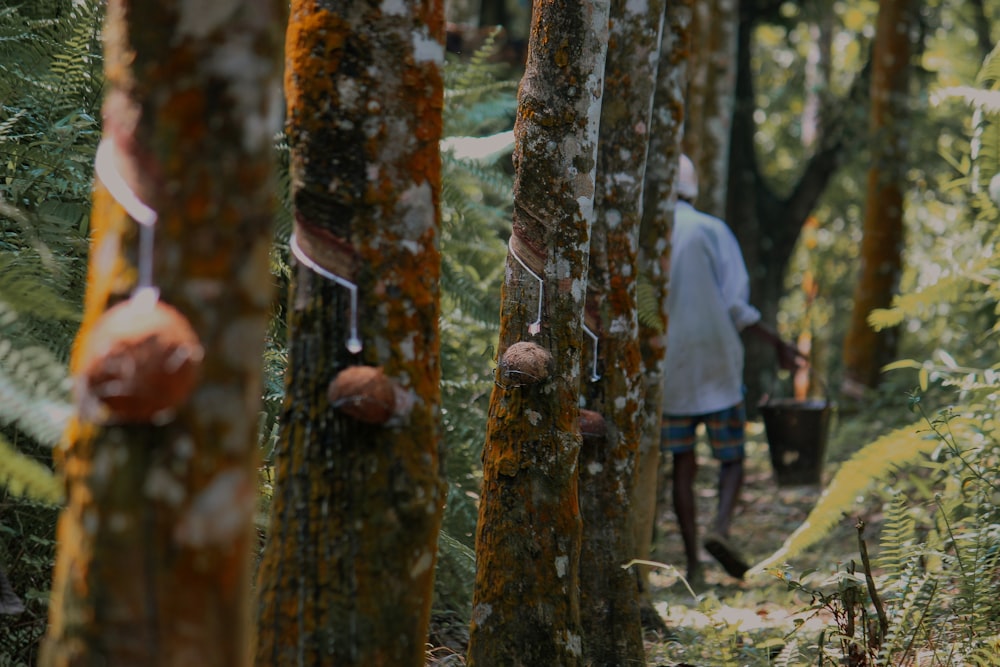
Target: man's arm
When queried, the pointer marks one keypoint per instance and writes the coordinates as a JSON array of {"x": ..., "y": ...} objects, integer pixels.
[{"x": 789, "y": 356}]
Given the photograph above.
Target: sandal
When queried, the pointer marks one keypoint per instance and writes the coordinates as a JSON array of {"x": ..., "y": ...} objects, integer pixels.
[{"x": 728, "y": 557}]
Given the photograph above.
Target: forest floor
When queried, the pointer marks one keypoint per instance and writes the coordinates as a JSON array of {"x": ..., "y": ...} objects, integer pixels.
[{"x": 748, "y": 622}]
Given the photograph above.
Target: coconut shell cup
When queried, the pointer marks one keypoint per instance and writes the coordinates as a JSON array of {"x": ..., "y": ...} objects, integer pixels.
[
  {"x": 141, "y": 362},
  {"x": 525, "y": 363},
  {"x": 592, "y": 424},
  {"x": 364, "y": 393}
]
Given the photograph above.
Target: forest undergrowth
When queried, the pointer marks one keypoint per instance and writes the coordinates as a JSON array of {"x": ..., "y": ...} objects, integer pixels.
[{"x": 748, "y": 621}]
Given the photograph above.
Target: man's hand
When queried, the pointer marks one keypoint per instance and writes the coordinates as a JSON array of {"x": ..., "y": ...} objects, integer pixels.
[{"x": 789, "y": 356}]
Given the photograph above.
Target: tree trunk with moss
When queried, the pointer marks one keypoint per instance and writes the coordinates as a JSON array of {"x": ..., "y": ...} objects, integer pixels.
[
  {"x": 866, "y": 350},
  {"x": 526, "y": 598},
  {"x": 659, "y": 199},
  {"x": 710, "y": 98},
  {"x": 154, "y": 545},
  {"x": 347, "y": 572},
  {"x": 608, "y": 593}
]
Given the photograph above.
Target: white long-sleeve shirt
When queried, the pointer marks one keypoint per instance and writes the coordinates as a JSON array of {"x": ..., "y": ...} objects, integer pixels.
[{"x": 708, "y": 305}]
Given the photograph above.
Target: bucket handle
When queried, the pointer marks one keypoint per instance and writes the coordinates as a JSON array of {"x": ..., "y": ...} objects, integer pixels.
[{"x": 824, "y": 388}]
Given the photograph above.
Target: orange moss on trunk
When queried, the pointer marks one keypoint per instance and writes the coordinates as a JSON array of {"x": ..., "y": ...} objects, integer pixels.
[
  {"x": 347, "y": 573},
  {"x": 654, "y": 259},
  {"x": 154, "y": 545},
  {"x": 609, "y": 594},
  {"x": 526, "y": 597}
]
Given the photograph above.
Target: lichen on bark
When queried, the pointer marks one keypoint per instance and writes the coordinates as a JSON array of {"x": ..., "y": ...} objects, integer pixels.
[
  {"x": 154, "y": 545},
  {"x": 347, "y": 572},
  {"x": 609, "y": 603},
  {"x": 526, "y": 602}
]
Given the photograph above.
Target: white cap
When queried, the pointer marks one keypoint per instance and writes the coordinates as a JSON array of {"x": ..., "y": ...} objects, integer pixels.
[{"x": 687, "y": 179}]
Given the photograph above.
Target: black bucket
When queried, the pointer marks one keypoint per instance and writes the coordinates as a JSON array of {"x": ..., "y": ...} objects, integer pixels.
[{"x": 796, "y": 436}]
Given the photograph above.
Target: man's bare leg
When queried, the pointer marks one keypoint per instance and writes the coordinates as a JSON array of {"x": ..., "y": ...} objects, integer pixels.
[
  {"x": 685, "y": 469},
  {"x": 730, "y": 485},
  {"x": 717, "y": 543}
]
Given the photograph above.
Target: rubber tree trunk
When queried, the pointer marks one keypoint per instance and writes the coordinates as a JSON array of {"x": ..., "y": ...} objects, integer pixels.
[
  {"x": 710, "y": 99},
  {"x": 347, "y": 572},
  {"x": 659, "y": 200},
  {"x": 865, "y": 350},
  {"x": 154, "y": 546},
  {"x": 608, "y": 593},
  {"x": 526, "y": 598}
]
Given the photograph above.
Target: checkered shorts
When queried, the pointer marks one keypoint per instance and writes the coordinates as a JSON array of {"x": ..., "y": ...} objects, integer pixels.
[{"x": 726, "y": 432}]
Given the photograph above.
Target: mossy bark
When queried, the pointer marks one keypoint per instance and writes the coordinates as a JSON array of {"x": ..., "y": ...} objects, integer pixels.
[
  {"x": 347, "y": 572},
  {"x": 609, "y": 605},
  {"x": 659, "y": 199},
  {"x": 154, "y": 545},
  {"x": 866, "y": 350},
  {"x": 526, "y": 598},
  {"x": 710, "y": 98}
]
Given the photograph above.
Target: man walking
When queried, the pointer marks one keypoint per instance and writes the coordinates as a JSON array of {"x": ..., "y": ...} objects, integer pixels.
[{"x": 708, "y": 306}]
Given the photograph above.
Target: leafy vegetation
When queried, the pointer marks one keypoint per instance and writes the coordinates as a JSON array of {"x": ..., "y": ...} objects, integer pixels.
[
  {"x": 50, "y": 94},
  {"x": 933, "y": 429}
]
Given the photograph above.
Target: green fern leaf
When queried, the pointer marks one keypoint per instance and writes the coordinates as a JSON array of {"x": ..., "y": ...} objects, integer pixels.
[
  {"x": 873, "y": 462},
  {"x": 897, "y": 539},
  {"x": 906, "y": 621},
  {"x": 990, "y": 71},
  {"x": 27, "y": 478},
  {"x": 648, "y": 305},
  {"x": 32, "y": 387},
  {"x": 986, "y": 655},
  {"x": 789, "y": 656}
]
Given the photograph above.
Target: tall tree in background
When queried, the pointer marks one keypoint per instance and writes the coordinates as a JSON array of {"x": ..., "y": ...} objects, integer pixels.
[
  {"x": 608, "y": 593},
  {"x": 865, "y": 350},
  {"x": 526, "y": 598},
  {"x": 710, "y": 98},
  {"x": 348, "y": 568},
  {"x": 767, "y": 221},
  {"x": 155, "y": 542},
  {"x": 659, "y": 199}
]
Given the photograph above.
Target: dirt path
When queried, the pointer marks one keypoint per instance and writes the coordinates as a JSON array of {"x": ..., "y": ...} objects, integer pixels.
[{"x": 758, "y": 609}]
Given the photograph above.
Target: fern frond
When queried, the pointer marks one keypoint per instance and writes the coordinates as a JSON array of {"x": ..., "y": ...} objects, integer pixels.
[
  {"x": 475, "y": 73},
  {"x": 467, "y": 555},
  {"x": 466, "y": 293},
  {"x": 953, "y": 287},
  {"x": 907, "y": 621},
  {"x": 7, "y": 126},
  {"x": 979, "y": 557},
  {"x": 986, "y": 654},
  {"x": 478, "y": 101},
  {"x": 789, "y": 656},
  {"x": 990, "y": 71},
  {"x": 32, "y": 291},
  {"x": 897, "y": 539},
  {"x": 648, "y": 305},
  {"x": 32, "y": 383},
  {"x": 873, "y": 462},
  {"x": 494, "y": 180},
  {"x": 51, "y": 80},
  {"x": 987, "y": 101},
  {"x": 27, "y": 478},
  {"x": 479, "y": 91},
  {"x": 466, "y": 220}
]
